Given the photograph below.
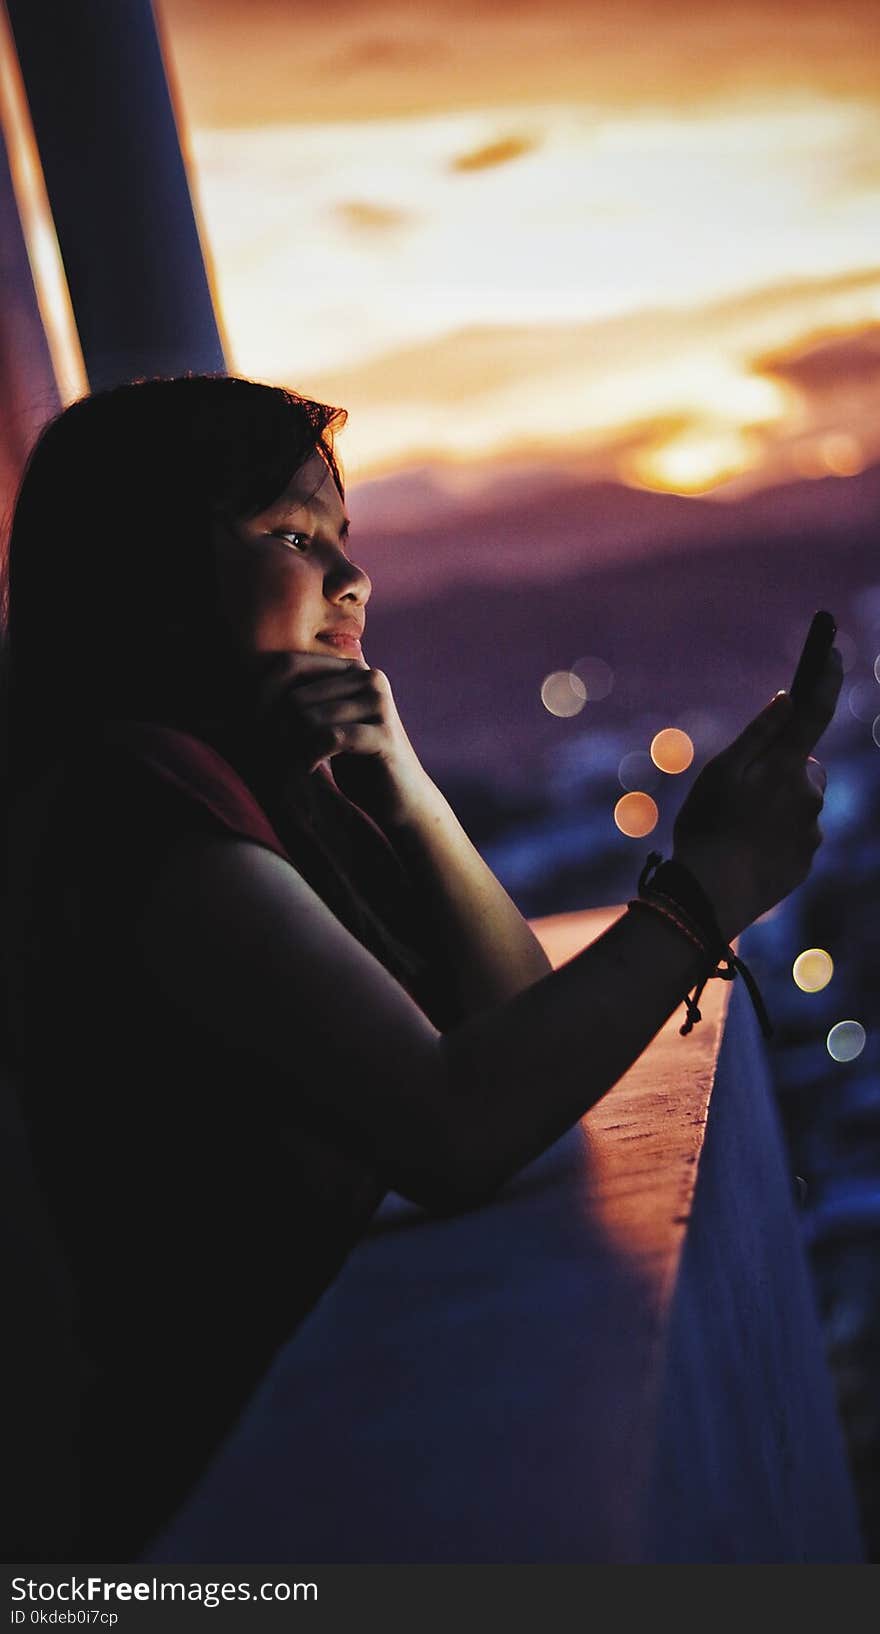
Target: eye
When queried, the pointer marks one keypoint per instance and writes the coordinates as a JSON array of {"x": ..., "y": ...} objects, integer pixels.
[{"x": 296, "y": 541}]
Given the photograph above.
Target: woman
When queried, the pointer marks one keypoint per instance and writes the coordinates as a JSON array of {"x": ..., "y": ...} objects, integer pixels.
[{"x": 258, "y": 975}]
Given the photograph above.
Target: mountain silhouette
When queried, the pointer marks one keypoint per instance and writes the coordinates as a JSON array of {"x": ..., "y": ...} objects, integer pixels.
[{"x": 697, "y": 606}]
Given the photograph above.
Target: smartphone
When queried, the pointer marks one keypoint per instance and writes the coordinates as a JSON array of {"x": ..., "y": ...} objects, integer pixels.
[{"x": 820, "y": 640}]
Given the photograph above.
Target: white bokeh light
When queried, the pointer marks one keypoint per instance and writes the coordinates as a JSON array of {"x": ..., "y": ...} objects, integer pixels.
[
  {"x": 563, "y": 693},
  {"x": 846, "y": 1040},
  {"x": 862, "y": 701}
]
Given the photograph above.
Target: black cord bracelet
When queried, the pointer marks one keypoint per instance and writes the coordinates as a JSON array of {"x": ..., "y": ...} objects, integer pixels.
[{"x": 673, "y": 882}]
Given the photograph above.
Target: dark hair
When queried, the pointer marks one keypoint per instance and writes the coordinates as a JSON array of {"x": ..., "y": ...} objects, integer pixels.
[
  {"x": 106, "y": 597},
  {"x": 108, "y": 611}
]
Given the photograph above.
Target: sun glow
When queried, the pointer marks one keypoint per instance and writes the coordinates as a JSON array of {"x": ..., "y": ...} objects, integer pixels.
[
  {"x": 692, "y": 464},
  {"x": 624, "y": 281}
]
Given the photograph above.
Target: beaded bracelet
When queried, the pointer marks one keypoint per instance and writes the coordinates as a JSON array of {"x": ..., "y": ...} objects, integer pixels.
[{"x": 670, "y": 889}]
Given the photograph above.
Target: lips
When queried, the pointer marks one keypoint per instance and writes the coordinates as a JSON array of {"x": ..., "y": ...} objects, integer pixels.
[{"x": 343, "y": 638}]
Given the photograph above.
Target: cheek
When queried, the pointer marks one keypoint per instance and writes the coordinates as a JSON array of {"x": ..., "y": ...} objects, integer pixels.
[{"x": 278, "y": 608}]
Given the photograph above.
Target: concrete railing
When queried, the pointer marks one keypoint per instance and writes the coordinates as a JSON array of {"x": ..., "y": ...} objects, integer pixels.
[{"x": 617, "y": 1360}]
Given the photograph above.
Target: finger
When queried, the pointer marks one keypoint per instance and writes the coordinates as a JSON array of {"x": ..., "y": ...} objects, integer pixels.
[
  {"x": 355, "y": 738},
  {"x": 369, "y": 685},
  {"x": 305, "y": 667},
  {"x": 814, "y": 803},
  {"x": 814, "y": 714},
  {"x": 287, "y": 665},
  {"x": 344, "y": 711},
  {"x": 323, "y": 744},
  {"x": 817, "y": 776},
  {"x": 324, "y": 689},
  {"x": 274, "y": 672}
]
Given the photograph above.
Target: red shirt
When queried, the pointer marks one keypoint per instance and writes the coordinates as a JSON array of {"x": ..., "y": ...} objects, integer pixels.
[{"x": 202, "y": 1206}]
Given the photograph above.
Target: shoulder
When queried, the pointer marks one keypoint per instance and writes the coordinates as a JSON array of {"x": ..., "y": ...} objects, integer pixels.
[
  {"x": 107, "y": 813},
  {"x": 156, "y": 774}
]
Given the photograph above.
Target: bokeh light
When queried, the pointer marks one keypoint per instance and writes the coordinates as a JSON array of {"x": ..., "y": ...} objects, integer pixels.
[
  {"x": 636, "y": 815},
  {"x": 846, "y": 1040},
  {"x": 862, "y": 701},
  {"x": 597, "y": 677},
  {"x": 877, "y": 669},
  {"x": 672, "y": 750},
  {"x": 563, "y": 693},
  {"x": 813, "y": 969},
  {"x": 637, "y": 771},
  {"x": 843, "y": 454},
  {"x": 875, "y": 731}
]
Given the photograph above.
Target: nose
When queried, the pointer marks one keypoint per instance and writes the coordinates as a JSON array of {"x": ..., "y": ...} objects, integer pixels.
[{"x": 344, "y": 581}]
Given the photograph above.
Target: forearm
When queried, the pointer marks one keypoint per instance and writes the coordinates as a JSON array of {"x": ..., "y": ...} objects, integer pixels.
[
  {"x": 529, "y": 1070},
  {"x": 234, "y": 936},
  {"x": 484, "y": 944}
]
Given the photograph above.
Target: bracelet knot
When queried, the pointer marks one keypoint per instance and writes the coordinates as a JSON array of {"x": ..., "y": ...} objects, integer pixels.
[{"x": 670, "y": 889}]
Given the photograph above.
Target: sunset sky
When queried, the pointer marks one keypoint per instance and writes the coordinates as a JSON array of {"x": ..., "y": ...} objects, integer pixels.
[{"x": 643, "y": 239}]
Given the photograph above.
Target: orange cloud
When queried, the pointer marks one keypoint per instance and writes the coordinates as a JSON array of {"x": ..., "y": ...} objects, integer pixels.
[
  {"x": 362, "y": 216},
  {"x": 629, "y": 297},
  {"x": 244, "y": 62},
  {"x": 849, "y": 361},
  {"x": 501, "y": 152}
]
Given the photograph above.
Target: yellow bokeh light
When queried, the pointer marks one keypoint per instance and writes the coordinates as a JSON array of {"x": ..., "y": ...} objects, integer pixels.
[
  {"x": 636, "y": 815},
  {"x": 813, "y": 969},
  {"x": 672, "y": 750},
  {"x": 563, "y": 693},
  {"x": 842, "y": 454}
]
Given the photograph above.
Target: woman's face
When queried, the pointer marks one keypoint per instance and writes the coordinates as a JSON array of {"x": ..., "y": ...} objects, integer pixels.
[{"x": 287, "y": 583}]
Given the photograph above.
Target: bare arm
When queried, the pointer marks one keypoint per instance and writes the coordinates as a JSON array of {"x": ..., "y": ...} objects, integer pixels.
[
  {"x": 476, "y": 931},
  {"x": 345, "y": 713},
  {"x": 235, "y": 937}
]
